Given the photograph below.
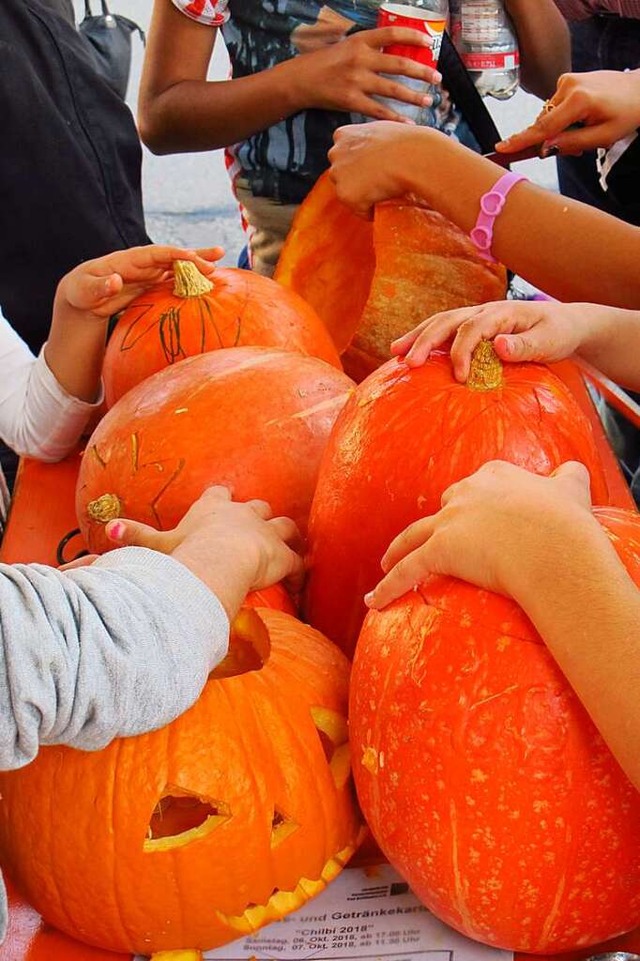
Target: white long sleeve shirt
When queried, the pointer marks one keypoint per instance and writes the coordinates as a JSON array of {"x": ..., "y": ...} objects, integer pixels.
[{"x": 38, "y": 418}]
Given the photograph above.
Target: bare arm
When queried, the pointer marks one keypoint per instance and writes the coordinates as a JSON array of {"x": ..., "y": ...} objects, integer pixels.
[
  {"x": 545, "y": 44},
  {"x": 85, "y": 299},
  {"x": 180, "y": 110},
  {"x": 535, "y": 539},
  {"x": 568, "y": 249}
]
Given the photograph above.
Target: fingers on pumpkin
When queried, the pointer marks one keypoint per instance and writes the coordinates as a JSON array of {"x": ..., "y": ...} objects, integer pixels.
[
  {"x": 412, "y": 537},
  {"x": 406, "y": 574}
]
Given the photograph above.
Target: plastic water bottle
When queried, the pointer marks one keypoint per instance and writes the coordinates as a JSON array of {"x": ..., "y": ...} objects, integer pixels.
[
  {"x": 428, "y": 17},
  {"x": 486, "y": 40}
]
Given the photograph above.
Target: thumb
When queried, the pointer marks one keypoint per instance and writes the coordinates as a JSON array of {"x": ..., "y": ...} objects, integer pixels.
[
  {"x": 574, "y": 478},
  {"x": 516, "y": 347},
  {"x": 127, "y": 533}
]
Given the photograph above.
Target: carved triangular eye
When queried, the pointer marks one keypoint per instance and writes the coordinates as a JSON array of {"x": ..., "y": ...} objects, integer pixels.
[
  {"x": 179, "y": 818},
  {"x": 282, "y": 827},
  {"x": 334, "y": 738}
]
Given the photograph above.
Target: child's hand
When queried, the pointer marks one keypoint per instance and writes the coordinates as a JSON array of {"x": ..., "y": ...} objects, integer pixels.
[
  {"x": 491, "y": 527},
  {"x": 106, "y": 285},
  {"x": 233, "y": 547},
  {"x": 544, "y": 331},
  {"x": 604, "y": 105},
  {"x": 348, "y": 74},
  {"x": 368, "y": 160}
]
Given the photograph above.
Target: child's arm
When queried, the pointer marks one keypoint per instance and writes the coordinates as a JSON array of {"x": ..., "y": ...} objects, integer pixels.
[
  {"x": 604, "y": 104},
  {"x": 46, "y": 402},
  {"x": 568, "y": 249},
  {"x": 93, "y": 292},
  {"x": 607, "y": 337},
  {"x": 534, "y": 539},
  {"x": 180, "y": 111},
  {"x": 124, "y": 645}
]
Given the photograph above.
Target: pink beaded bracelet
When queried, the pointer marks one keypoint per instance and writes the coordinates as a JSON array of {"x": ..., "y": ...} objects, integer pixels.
[{"x": 491, "y": 205}]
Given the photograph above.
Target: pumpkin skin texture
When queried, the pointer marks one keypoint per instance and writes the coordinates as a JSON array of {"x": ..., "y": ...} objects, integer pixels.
[
  {"x": 188, "y": 316},
  {"x": 252, "y": 418},
  {"x": 256, "y": 797},
  {"x": 481, "y": 775},
  {"x": 372, "y": 282},
  {"x": 400, "y": 441}
]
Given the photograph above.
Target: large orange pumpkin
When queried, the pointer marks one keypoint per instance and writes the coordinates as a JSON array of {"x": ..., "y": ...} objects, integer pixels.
[
  {"x": 230, "y": 817},
  {"x": 252, "y": 418},
  {"x": 481, "y": 775},
  {"x": 371, "y": 282},
  {"x": 191, "y": 315},
  {"x": 401, "y": 440}
]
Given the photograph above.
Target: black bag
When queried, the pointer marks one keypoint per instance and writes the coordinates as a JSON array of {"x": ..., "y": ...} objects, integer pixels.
[{"x": 110, "y": 38}]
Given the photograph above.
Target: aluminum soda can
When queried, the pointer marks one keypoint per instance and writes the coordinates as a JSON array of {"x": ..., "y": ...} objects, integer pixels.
[{"x": 428, "y": 21}]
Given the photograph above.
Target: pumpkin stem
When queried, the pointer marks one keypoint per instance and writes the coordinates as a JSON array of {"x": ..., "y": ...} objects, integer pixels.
[
  {"x": 105, "y": 508},
  {"x": 189, "y": 282},
  {"x": 485, "y": 372}
]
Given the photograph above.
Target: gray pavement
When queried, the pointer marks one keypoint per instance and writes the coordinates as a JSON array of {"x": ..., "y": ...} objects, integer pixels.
[{"x": 187, "y": 197}]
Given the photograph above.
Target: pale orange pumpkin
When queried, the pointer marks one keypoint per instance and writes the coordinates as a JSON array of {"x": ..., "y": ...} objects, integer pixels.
[
  {"x": 482, "y": 777},
  {"x": 230, "y": 817},
  {"x": 191, "y": 314},
  {"x": 371, "y": 282},
  {"x": 252, "y": 418}
]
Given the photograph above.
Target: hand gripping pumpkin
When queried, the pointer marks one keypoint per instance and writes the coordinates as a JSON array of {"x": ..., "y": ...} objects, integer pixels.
[
  {"x": 371, "y": 282},
  {"x": 401, "y": 440},
  {"x": 252, "y": 418},
  {"x": 191, "y": 315},
  {"x": 481, "y": 775},
  {"x": 230, "y": 817}
]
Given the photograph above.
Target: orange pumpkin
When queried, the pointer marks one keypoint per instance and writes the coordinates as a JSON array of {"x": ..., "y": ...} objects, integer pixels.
[
  {"x": 230, "y": 817},
  {"x": 191, "y": 315},
  {"x": 401, "y": 440},
  {"x": 252, "y": 418},
  {"x": 481, "y": 775},
  {"x": 371, "y": 282}
]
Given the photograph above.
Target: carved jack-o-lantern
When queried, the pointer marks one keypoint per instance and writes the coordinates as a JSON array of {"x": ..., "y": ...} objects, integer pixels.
[
  {"x": 230, "y": 817},
  {"x": 371, "y": 282}
]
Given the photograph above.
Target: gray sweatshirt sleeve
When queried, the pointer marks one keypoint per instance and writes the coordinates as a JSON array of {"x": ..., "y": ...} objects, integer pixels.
[{"x": 114, "y": 649}]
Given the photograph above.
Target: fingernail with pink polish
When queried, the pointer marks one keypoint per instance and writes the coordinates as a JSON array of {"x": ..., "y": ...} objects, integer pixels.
[{"x": 116, "y": 531}]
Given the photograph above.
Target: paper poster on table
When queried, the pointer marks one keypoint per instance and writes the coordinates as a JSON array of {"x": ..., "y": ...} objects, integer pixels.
[{"x": 366, "y": 914}]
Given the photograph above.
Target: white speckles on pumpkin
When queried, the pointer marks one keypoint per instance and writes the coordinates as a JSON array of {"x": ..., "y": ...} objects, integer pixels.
[
  {"x": 478, "y": 776},
  {"x": 369, "y": 760},
  {"x": 502, "y": 643}
]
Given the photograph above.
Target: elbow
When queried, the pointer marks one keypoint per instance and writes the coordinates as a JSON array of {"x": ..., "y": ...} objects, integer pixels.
[
  {"x": 153, "y": 127},
  {"x": 151, "y": 135}
]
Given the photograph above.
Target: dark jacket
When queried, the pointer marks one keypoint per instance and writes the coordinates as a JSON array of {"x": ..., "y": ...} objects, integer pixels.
[{"x": 70, "y": 161}]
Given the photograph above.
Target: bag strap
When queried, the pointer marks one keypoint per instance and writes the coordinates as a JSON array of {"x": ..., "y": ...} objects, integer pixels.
[
  {"x": 456, "y": 79},
  {"x": 105, "y": 9},
  {"x": 88, "y": 12}
]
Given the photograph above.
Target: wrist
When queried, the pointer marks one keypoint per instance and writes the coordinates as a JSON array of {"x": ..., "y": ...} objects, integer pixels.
[{"x": 560, "y": 545}]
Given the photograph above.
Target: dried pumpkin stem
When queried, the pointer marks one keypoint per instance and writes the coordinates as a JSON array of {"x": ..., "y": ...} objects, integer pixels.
[
  {"x": 485, "y": 372},
  {"x": 105, "y": 508},
  {"x": 188, "y": 281}
]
